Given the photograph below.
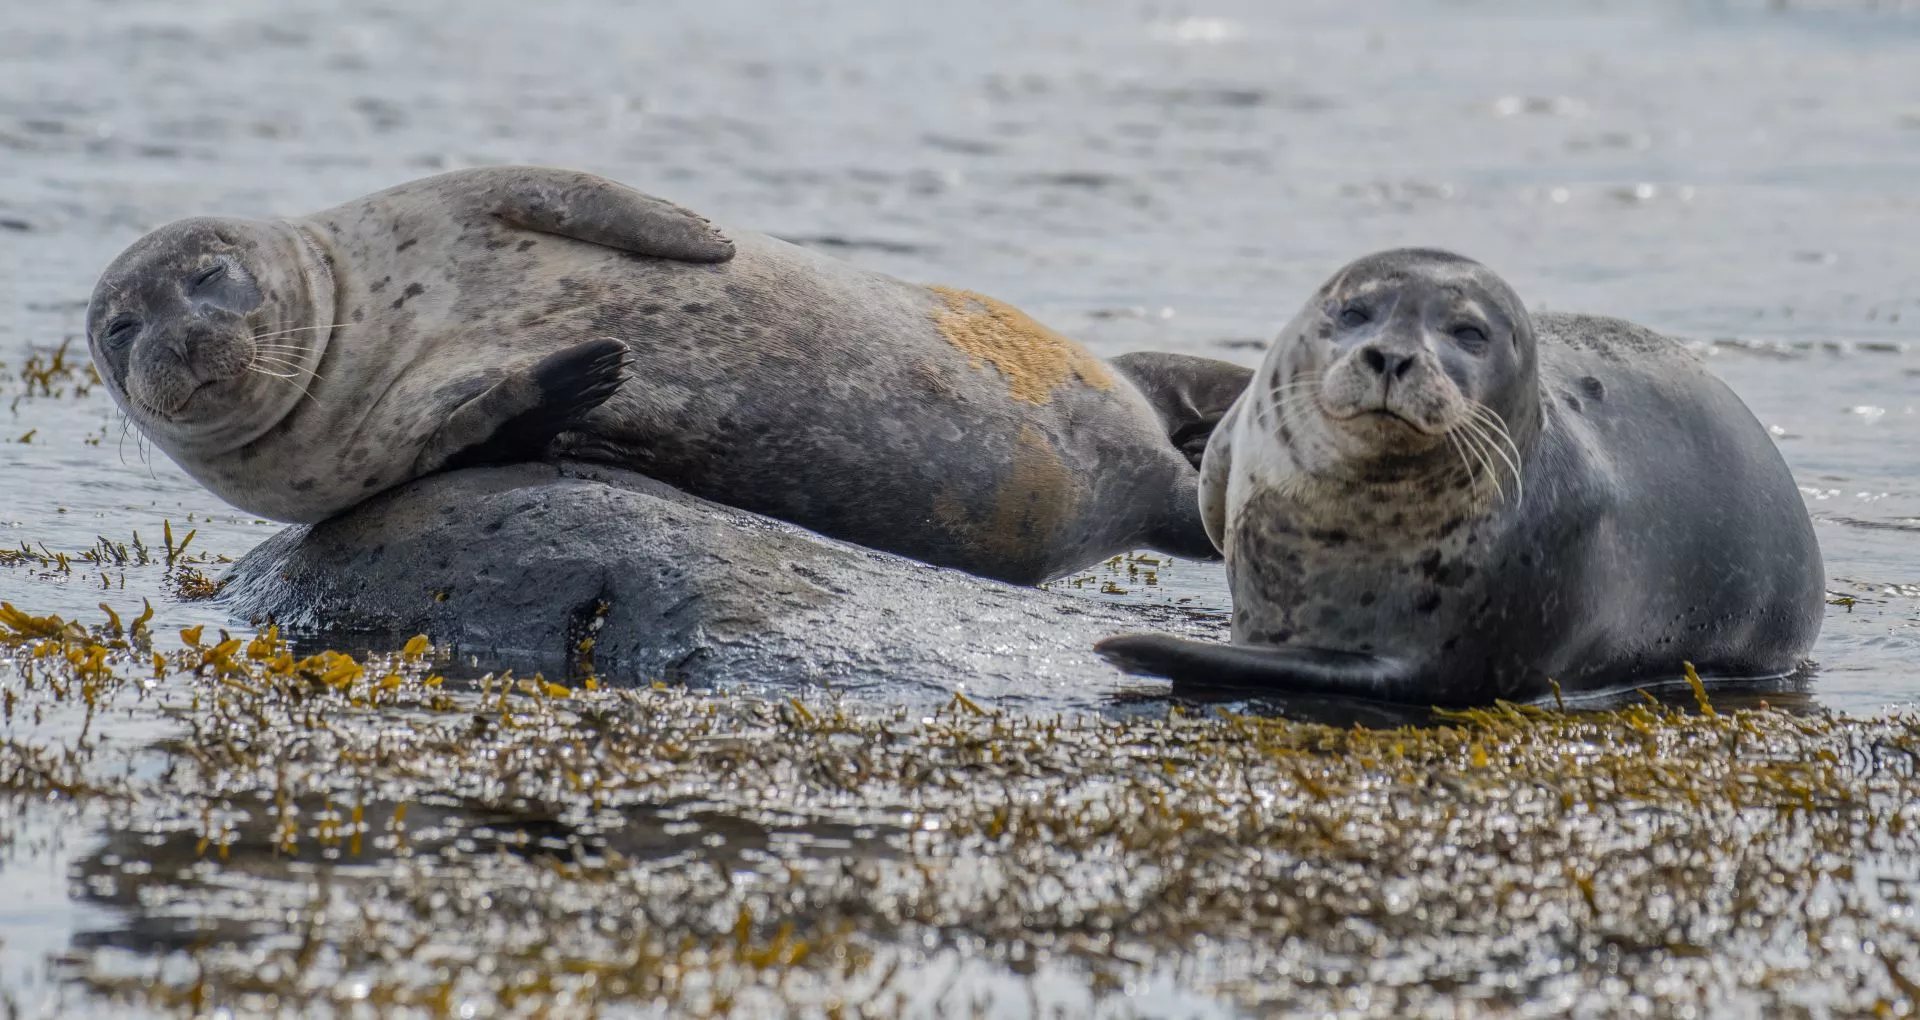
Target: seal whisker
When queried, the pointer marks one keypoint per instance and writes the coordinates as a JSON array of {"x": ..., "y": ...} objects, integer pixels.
[
  {"x": 1466, "y": 464},
  {"x": 1476, "y": 440},
  {"x": 1292, "y": 412},
  {"x": 293, "y": 371},
  {"x": 290, "y": 380},
  {"x": 302, "y": 329},
  {"x": 1501, "y": 441}
]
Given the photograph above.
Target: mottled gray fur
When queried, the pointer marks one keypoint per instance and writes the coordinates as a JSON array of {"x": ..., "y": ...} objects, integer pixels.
[
  {"x": 1610, "y": 511},
  {"x": 519, "y": 564},
  {"x": 297, "y": 367}
]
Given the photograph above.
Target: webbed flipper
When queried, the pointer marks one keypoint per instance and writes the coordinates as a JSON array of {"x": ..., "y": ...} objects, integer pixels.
[
  {"x": 590, "y": 208},
  {"x": 518, "y": 417},
  {"x": 1190, "y": 394},
  {"x": 1278, "y": 669}
]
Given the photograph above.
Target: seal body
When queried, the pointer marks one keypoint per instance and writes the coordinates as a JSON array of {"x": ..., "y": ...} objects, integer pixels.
[
  {"x": 1427, "y": 495},
  {"x": 513, "y": 313}
]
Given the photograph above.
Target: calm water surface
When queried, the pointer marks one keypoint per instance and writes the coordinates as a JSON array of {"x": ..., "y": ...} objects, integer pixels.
[{"x": 1171, "y": 176}]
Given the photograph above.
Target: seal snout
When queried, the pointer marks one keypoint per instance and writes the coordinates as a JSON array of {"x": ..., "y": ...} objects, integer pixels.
[
  {"x": 1386, "y": 364},
  {"x": 1396, "y": 382},
  {"x": 169, "y": 372}
]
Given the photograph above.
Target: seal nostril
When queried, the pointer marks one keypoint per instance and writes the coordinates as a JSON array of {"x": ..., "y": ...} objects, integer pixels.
[
  {"x": 1400, "y": 370},
  {"x": 1375, "y": 360}
]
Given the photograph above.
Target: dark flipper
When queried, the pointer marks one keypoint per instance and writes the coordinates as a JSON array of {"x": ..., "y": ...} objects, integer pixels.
[
  {"x": 1282, "y": 669},
  {"x": 516, "y": 419},
  {"x": 1190, "y": 394},
  {"x": 599, "y": 211}
]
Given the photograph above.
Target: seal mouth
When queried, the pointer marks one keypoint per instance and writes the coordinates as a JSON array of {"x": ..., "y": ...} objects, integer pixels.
[
  {"x": 175, "y": 409},
  {"x": 1382, "y": 417}
]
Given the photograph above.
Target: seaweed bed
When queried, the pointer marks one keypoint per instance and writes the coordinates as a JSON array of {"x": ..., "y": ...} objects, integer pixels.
[{"x": 322, "y": 834}]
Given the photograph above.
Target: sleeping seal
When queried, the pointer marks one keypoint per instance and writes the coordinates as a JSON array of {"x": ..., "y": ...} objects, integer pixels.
[
  {"x": 1428, "y": 496},
  {"x": 296, "y": 367}
]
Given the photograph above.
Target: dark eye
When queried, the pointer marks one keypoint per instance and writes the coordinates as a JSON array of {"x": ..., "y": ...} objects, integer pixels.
[
  {"x": 121, "y": 331},
  {"x": 1354, "y": 315},
  {"x": 1471, "y": 337},
  {"x": 209, "y": 274}
]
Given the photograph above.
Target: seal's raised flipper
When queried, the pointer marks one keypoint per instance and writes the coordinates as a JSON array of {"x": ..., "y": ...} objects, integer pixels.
[
  {"x": 515, "y": 419},
  {"x": 599, "y": 211},
  {"x": 1283, "y": 669},
  {"x": 1190, "y": 394}
]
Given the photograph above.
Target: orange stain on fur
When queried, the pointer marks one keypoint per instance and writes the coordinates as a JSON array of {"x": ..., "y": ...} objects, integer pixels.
[
  {"x": 1034, "y": 503},
  {"x": 1033, "y": 359}
]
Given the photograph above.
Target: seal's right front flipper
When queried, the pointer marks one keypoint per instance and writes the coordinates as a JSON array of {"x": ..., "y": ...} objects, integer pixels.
[
  {"x": 1282, "y": 669},
  {"x": 518, "y": 417},
  {"x": 588, "y": 208},
  {"x": 1191, "y": 395}
]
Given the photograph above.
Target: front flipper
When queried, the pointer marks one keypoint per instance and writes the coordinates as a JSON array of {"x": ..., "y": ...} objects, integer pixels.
[
  {"x": 515, "y": 420},
  {"x": 1189, "y": 394},
  {"x": 1216, "y": 464},
  {"x": 1279, "y": 669},
  {"x": 599, "y": 211}
]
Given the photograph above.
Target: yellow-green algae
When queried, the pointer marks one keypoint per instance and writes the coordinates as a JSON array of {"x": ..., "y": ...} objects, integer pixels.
[{"x": 325, "y": 834}]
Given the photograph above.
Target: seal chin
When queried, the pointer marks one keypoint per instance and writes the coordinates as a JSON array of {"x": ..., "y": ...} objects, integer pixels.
[{"x": 196, "y": 395}]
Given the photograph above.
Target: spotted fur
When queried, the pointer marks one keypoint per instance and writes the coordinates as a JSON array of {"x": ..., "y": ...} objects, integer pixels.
[
  {"x": 407, "y": 328},
  {"x": 1641, "y": 519}
]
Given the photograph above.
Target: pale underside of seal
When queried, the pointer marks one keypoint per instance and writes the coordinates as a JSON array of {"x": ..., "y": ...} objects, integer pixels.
[
  {"x": 516, "y": 313},
  {"x": 1429, "y": 496}
]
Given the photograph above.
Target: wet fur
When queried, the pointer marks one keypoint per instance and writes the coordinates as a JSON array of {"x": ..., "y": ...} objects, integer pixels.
[{"x": 1659, "y": 525}]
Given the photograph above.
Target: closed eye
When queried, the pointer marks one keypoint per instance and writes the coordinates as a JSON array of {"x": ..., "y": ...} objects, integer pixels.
[
  {"x": 1354, "y": 315},
  {"x": 121, "y": 331},
  {"x": 1472, "y": 337},
  {"x": 209, "y": 274}
]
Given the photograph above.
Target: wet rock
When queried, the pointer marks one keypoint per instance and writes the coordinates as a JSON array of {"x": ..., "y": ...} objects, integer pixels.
[{"x": 523, "y": 564}]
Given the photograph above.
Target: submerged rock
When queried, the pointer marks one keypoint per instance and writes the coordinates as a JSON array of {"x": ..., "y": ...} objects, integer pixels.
[{"x": 524, "y": 564}]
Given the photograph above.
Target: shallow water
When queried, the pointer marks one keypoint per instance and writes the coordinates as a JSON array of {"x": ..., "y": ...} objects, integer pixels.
[{"x": 1743, "y": 174}]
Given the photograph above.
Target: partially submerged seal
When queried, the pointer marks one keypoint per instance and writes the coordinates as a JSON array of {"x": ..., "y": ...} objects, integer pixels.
[
  {"x": 1427, "y": 495},
  {"x": 296, "y": 367}
]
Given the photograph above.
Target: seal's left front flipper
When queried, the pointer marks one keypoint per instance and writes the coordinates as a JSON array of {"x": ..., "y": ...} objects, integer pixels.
[
  {"x": 1282, "y": 669},
  {"x": 599, "y": 211},
  {"x": 1189, "y": 394},
  {"x": 516, "y": 419}
]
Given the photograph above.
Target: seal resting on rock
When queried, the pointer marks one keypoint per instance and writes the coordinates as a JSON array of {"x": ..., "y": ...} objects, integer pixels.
[
  {"x": 1428, "y": 496},
  {"x": 296, "y": 367}
]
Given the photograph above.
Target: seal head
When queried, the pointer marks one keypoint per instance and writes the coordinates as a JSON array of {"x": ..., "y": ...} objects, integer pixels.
[
  {"x": 208, "y": 331},
  {"x": 1406, "y": 347}
]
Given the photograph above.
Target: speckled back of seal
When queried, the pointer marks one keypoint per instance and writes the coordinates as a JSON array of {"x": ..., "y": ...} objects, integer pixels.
[{"x": 517, "y": 312}]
